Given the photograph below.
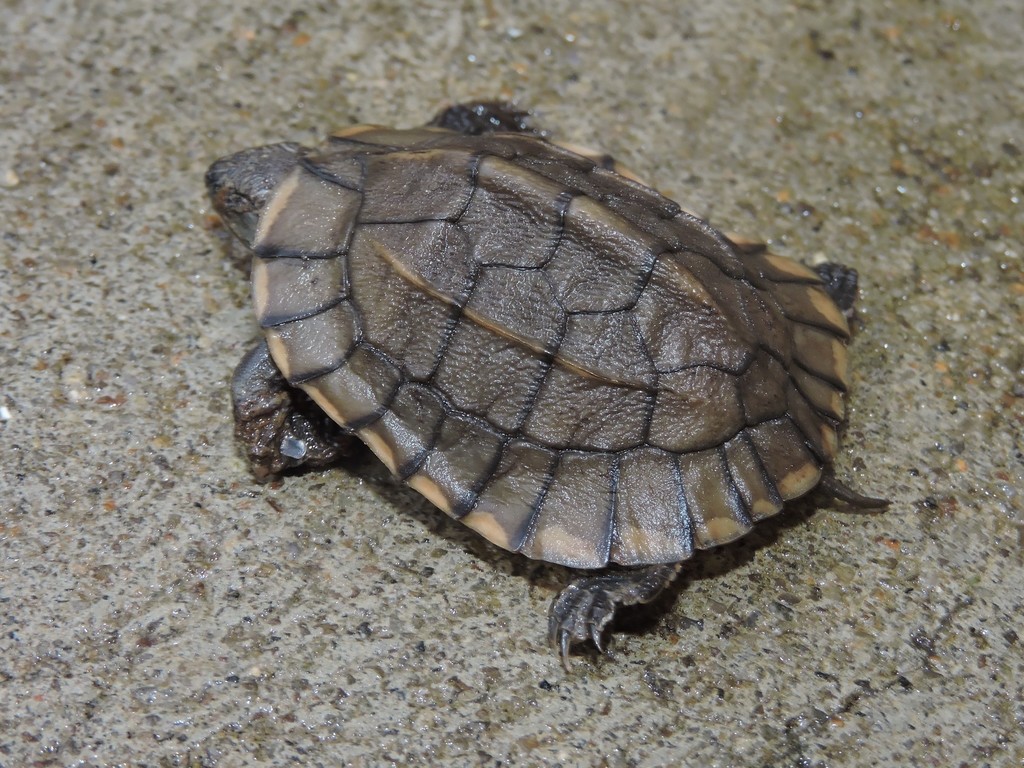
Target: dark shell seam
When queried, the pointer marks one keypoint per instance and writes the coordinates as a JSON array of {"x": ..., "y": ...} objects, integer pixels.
[
  {"x": 767, "y": 479},
  {"x": 276, "y": 322}
]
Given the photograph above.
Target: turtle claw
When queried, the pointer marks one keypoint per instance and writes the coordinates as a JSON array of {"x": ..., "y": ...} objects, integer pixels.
[
  {"x": 564, "y": 648},
  {"x": 580, "y": 613},
  {"x": 585, "y": 608}
]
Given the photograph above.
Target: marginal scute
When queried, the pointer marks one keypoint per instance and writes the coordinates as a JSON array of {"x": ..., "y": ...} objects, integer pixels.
[
  {"x": 650, "y": 524},
  {"x": 358, "y": 391},
  {"x": 819, "y": 433},
  {"x": 756, "y": 489},
  {"x": 512, "y": 495},
  {"x": 789, "y": 463},
  {"x": 574, "y": 522},
  {"x": 822, "y": 353},
  {"x": 716, "y": 511},
  {"x": 382, "y": 449},
  {"x": 290, "y": 289},
  {"x": 307, "y": 217},
  {"x": 382, "y": 136},
  {"x": 354, "y": 131},
  {"x": 412, "y": 424},
  {"x": 306, "y": 348},
  {"x": 780, "y": 269},
  {"x": 464, "y": 455},
  {"x": 809, "y": 304}
]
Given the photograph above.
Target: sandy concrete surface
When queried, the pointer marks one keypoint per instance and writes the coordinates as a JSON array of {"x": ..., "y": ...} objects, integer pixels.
[{"x": 159, "y": 608}]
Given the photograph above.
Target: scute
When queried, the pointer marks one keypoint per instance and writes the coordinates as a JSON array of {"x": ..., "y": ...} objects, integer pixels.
[
  {"x": 674, "y": 299},
  {"x": 512, "y": 495},
  {"x": 307, "y": 217},
  {"x": 697, "y": 408},
  {"x": 463, "y": 454},
  {"x": 505, "y": 395},
  {"x": 420, "y": 185},
  {"x": 515, "y": 217},
  {"x": 358, "y": 391},
  {"x": 552, "y": 353},
  {"x": 573, "y": 411},
  {"x": 600, "y": 261},
  {"x": 518, "y": 305},
  {"x": 285, "y": 290},
  {"x": 573, "y": 524},
  {"x": 713, "y": 502},
  {"x": 307, "y": 348},
  {"x": 650, "y": 521}
]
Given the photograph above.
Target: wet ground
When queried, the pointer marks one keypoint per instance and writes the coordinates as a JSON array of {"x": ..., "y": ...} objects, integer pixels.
[{"x": 158, "y": 607}]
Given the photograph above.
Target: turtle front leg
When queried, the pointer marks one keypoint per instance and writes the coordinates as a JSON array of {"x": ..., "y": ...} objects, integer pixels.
[
  {"x": 840, "y": 283},
  {"x": 482, "y": 117},
  {"x": 586, "y": 606},
  {"x": 280, "y": 427}
]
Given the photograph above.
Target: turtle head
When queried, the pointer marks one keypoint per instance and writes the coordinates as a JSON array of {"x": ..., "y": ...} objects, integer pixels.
[{"x": 240, "y": 185}]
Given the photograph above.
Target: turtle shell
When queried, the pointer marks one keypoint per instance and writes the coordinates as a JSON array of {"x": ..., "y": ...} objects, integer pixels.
[{"x": 551, "y": 352}]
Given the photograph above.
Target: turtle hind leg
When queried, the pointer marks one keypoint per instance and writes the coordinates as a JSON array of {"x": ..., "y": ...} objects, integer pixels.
[
  {"x": 840, "y": 283},
  {"x": 587, "y": 604},
  {"x": 481, "y": 117},
  {"x": 280, "y": 427}
]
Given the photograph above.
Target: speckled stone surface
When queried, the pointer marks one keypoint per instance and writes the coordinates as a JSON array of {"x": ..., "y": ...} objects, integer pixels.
[{"x": 158, "y": 607}]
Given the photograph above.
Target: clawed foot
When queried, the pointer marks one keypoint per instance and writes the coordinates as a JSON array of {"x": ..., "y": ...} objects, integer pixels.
[
  {"x": 477, "y": 118},
  {"x": 587, "y": 605},
  {"x": 580, "y": 612},
  {"x": 280, "y": 427}
]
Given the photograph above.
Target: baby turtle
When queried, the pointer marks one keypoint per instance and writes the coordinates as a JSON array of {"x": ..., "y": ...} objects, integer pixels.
[{"x": 548, "y": 350}]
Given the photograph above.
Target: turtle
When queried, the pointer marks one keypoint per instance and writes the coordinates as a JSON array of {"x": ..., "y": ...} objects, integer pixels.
[{"x": 543, "y": 346}]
